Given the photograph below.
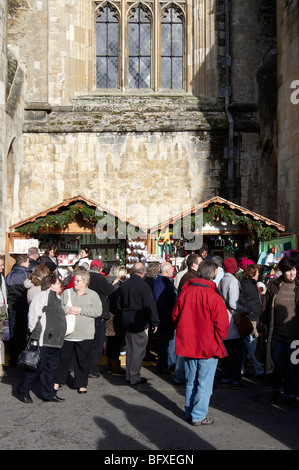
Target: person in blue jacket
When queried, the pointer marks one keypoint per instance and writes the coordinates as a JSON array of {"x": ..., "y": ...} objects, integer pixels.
[
  {"x": 17, "y": 306},
  {"x": 165, "y": 295}
]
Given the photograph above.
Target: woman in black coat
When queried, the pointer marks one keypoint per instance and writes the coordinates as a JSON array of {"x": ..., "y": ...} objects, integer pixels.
[{"x": 251, "y": 299}]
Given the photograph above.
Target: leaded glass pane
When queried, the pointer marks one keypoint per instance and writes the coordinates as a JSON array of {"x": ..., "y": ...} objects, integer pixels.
[
  {"x": 134, "y": 42},
  {"x": 112, "y": 72},
  {"x": 177, "y": 40},
  {"x": 101, "y": 72},
  {"x": 145, "y": 75},
  {"x": 101, "y": 39},
  {"x": 113, "y": 39},
  {"x": 133, "y": 72},
  {"x": 145, "y": 39},
  {"x": 177, "y": 72},
  {"x": 165, "y": 72},
  {"x": 165, "y": 39}
]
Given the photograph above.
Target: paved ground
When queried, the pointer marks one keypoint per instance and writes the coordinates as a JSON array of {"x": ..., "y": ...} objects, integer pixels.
[{"x": 114, "y": 416}]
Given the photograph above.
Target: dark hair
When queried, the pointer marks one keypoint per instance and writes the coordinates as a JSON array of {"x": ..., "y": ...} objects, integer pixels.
[
  {"x": 206, "y": 270},
  {"x": 21, "y": 259},
  {"x": 48, "y": 280},
  {"x": 54, "y": 248},
  {"x": 87, "y": 251},
  {"x": 203, "y": 248},
  {"x": 192, "y": 259},
  {"x": 250, "y": 270},
  {"x": 286, "y": 264}
]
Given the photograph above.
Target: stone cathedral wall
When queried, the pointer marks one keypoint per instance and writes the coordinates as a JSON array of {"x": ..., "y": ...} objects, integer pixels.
[
  {"x": 288, "y": 114},
  {"x": 166, "y": 149}
]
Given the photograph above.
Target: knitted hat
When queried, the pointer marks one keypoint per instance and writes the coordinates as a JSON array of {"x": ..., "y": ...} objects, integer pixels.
[
  {"x": 244, "y": 262},
  {"x": 96, "y": 263},
  {"x": 230, "y": 265}
]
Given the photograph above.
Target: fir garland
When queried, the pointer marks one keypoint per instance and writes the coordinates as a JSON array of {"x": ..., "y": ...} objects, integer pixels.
[
  {"x": 61, "y": 219},
  {"x": 68, "y": 215},
  {"x": 218, "y": 212},
  {"x": 214, "y": 213}
]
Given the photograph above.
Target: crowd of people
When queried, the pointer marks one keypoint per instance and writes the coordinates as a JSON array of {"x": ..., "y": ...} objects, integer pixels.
[{"x": 192, "y": 313}]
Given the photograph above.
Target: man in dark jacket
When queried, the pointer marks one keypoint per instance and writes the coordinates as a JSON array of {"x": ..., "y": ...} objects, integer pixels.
[
  {"x": 17, "y": 306},
  {"x": 99, "y": 284},
  {"x": 139, "y": 312},
  {"x": 33, "y": 256},
  {"x": 165, "y": 295},
  {"x": 193, "y": 262}
]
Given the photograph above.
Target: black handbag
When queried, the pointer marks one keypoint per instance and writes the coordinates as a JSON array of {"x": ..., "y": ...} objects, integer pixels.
[{"x": 30, "y": 357}]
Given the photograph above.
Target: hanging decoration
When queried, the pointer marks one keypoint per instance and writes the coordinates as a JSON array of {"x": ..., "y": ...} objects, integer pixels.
[
  {"x": 137, "y": 252},
  {"x": 165, "y": 242}
]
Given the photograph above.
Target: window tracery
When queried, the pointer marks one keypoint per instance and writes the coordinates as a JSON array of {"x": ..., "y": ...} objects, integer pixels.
[{"x": 140, "y": 45}]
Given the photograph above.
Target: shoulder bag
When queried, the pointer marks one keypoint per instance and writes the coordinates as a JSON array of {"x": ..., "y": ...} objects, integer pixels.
[
  {"x": 70, "y": 319},
  {"x": 241, "y": 320},
  {"x": 30, "y": 357},
  {"x": 243, "y": 324}
]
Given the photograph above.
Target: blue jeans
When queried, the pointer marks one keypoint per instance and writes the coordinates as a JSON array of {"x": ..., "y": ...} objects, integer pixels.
[
  {"x": 200, "y": 375},
  {"x": 250, "y": 345},
  {"x": 285, "y": 374},
  {"x": 179, "y": 371}
]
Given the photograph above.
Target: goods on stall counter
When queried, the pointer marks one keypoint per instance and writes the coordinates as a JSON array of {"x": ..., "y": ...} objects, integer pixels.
[
  {"x": 136, "y": 252},
  {"x": 152, "y": 258},
  {"x": 67, "y": 260}
]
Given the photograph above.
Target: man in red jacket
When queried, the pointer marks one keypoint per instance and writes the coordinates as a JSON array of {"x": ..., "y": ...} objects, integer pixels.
[{"x": 201, "y": 321}]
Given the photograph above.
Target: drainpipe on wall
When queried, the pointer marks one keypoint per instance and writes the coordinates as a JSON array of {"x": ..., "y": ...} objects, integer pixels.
[{"x": 230, "y": 151}]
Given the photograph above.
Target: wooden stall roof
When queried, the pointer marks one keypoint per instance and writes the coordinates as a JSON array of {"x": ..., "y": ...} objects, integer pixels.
[
  {"x": 66, "y": 203},
  {"x": 221, "y": 201}
]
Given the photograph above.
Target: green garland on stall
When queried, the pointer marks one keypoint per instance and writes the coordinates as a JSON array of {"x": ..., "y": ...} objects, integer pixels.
[
  {"x": 219, "y": 212},
  {"x": 68, "y": 215},
  {"x": 215, "y": 212},
  {"x": 61, "y": 219}
]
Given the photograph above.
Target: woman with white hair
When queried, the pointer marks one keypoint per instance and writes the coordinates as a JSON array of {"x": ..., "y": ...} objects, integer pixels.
[{"x": 86, "y": 305}]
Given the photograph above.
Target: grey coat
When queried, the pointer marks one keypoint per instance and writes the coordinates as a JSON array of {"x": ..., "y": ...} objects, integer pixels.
[
  {"x": 91, "y": 308},
  {"x": 230, "y": 287}
]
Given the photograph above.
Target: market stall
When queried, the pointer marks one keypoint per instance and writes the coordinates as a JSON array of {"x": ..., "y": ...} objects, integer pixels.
[
  {"x": 225, "y": 227},
  {"x": 71, "y": 225}
]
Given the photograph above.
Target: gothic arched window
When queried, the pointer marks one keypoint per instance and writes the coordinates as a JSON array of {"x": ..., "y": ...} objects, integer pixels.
[
  {"x": 140, "y": 45},
  {"x": 107, "y": 49},
  {"x": 171, "y": 50},
  {"x": 139, "y": 33}
]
